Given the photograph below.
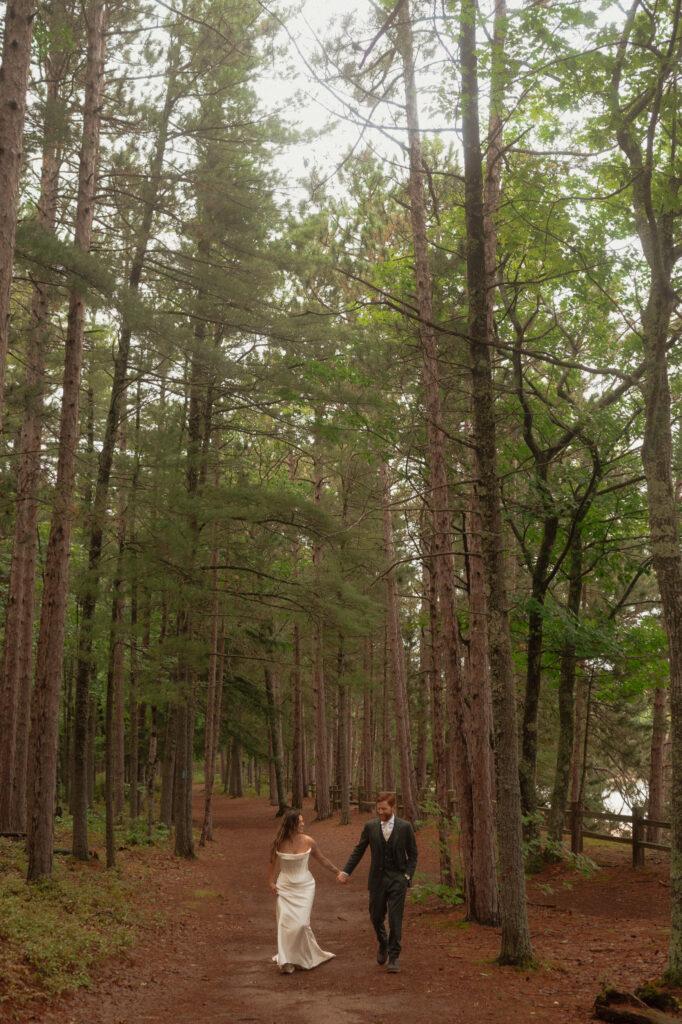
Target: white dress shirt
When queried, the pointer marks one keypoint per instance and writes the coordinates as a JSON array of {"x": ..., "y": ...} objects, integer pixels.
[{"x": 387, "y": 827}]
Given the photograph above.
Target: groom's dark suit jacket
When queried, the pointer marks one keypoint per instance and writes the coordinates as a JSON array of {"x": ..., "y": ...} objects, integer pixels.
[{"x": 404, "y": 849}]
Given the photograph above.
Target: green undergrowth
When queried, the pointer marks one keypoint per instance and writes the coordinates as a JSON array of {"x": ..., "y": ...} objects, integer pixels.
[
  {"x": 54, "y": 932},
  {"x": 426, "y": 891}
]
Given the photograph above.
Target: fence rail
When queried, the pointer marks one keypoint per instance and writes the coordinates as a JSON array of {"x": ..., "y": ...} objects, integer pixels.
[
  {"x": 577, "y": 815},
  {"x": 575, "y": 827}
]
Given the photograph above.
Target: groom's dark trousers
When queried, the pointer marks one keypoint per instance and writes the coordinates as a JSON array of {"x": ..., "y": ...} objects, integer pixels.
[{"x": 390, "y": 875}]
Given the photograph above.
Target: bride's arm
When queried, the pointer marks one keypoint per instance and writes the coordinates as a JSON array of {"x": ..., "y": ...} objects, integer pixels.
[
  {"x": 318, "y": 855},
  {"x": 272, "y": 867}
]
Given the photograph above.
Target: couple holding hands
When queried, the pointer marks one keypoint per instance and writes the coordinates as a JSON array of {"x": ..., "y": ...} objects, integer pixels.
[{"x": 393, "y": 850}]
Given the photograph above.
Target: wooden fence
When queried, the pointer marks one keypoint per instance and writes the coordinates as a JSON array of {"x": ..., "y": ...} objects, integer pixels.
[{"x": 577, "y": 816}]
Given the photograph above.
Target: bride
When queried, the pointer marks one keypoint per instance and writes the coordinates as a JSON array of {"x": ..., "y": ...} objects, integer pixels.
[{"x": 295, "y": 890}]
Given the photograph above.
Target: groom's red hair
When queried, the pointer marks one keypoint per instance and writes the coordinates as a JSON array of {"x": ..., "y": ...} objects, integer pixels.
[{"x": 386, "y": 798}]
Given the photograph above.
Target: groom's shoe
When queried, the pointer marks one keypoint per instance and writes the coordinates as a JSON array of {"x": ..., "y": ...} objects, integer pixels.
[
  {"x": 382, "y": 953},
  {"x": 393, "y": 965}
]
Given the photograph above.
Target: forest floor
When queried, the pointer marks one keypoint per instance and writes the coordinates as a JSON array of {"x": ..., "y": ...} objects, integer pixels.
[{"x": 205, "y": 955}]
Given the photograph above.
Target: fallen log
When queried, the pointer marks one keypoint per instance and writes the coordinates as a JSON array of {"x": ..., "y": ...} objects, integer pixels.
[{"x": 625, "y": 1008}]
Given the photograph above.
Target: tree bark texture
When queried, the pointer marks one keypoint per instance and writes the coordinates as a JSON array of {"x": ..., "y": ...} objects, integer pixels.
[
  {"x": 319, "y": 698},
  {"x": 211, "y": 699},
  {"x": 344, "y": 738},
  {"x": 479, "y": 867},
  {"x": 408, "y": 781},
  {"x": 117, "y": 660},
  {"x": 14, "y": 72},
  {"x": 152, "y": 768},
  {"x": 368, "y": 744},
  {"x": 47, "y": 687},
  {"x": 272, "y": 699},
  {"x": 168, "y": 769},
  {"x": 106, "y": 457},
  {"x": 657, "y": 231},
  {"x": 16, "y": 667},
  {"x": 478, "y": 687},
  {"x": 297, "y": 753},
  {"x": 387, "y": 781},
  {"x": 516, "y": 947},
  {"x": 659, "y": 733},
  {"x": 440, "y": 763},
  {"x": 567, "y": 670},
  {"x": 182, "y": 787}
]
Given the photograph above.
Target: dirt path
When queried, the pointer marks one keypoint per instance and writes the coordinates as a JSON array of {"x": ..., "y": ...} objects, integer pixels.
[{"x": 212, "y": 963}]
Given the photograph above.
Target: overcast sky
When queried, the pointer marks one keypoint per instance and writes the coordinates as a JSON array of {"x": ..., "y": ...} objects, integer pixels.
[{"x": 306, "y": 32}]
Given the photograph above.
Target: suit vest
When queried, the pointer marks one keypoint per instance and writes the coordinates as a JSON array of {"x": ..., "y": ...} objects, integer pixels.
[{"x": 389, "y": 861}]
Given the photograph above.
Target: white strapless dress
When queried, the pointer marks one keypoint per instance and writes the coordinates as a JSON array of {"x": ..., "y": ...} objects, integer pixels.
[{"x": 296, "y": 944}]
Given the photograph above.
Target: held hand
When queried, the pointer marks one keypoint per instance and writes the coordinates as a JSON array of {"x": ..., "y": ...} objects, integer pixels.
[{"x": 342, "y": 878}]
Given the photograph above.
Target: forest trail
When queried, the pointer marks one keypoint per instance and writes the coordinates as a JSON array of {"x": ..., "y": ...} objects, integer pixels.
[{"x": 211, "y": 963}]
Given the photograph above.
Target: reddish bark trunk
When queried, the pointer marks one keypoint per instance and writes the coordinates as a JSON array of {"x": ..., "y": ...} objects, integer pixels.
[
  {"x": 408, "y": 782},
  {"x": 17, "y": 656},
  {"x": 46, "y": 692},
  {"x": 659, "y": 733},
  {"x": 516, "y": 946},
  {"x": 319, "y": 699},
  {"x": 211, "y": 687},
  {"x": 14, "y": 71},
  {"x": 479, "y": 869}
]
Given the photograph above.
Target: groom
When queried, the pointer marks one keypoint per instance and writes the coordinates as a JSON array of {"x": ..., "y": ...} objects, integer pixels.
[{"x": 394, "y": 858}]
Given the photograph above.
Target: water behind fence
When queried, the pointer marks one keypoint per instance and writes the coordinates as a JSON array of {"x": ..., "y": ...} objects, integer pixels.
[{"x": 635, "y": 830}]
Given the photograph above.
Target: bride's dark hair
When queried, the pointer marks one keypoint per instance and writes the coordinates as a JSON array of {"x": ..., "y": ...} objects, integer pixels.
[{"x": 286, "y": 829}]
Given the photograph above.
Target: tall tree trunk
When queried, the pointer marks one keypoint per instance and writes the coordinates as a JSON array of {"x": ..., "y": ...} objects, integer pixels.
[
  {"x": 659, "y": 733},
  {"x": 220, "y": 684},
  {"x": 90, "y": 754},
  {"x": 319, "y": 698},
  {"x": 478, "y": 681},
  {"x": 16, "y": 667},
  {"x": 297, "y": 748},
  {"x": 423, "y": 696},
  {"x": 516, "y": 947},
  {"x": 152, "y": 768},
  {"x": 168, "y": 768},
  {"x": 567, "y": 666},
  {"x": 45, "y": 701},
  {"x": 117, "y": 672},
  {"x": 105, "y": 461},
  {"x": 109, "y": 771},
  {"x": 387, "y": 782},
  {"x": 236, "y": 781},
  {"x": 576, "y": 753},
  {"x": 276, "y": 740},
  {"x": 440, "y": 761},
  {"x": 297, "y": 722},
  {"x": 368, "y": 724},
  {"x": 479, "y": 866},
  {"x": 408, "y": 781},
  {"x": 135, "y": 711},
  {"x": 211, "y": 688},
  {"x": 182, "y": 785},
  {"x": 531, "y": 704},
  {"x": 344, "y": 737},
  {"x": 658, "y": 232},
  {"x": 14, "y": 71}
]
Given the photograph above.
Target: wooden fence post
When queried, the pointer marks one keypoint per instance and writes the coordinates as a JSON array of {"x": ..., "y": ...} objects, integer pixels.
[
  {"x": 637, "y": 836},
  {"x": 576, "y": 826}
]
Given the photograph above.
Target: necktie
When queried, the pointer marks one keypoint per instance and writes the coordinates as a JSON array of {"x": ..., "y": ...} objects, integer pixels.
[{"x": 386, "y": 829}]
